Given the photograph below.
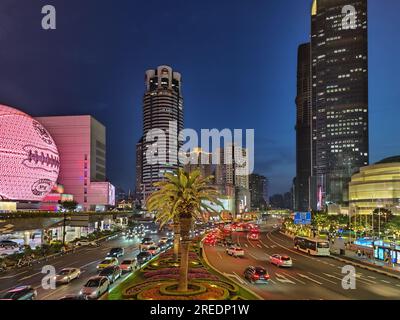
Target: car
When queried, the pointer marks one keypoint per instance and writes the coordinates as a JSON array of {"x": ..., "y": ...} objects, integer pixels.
[
  {"x": 143, "y": 257},
  {"x": 112, "y": 273},
  {"x": 281, "y": 260},
  {"x": 73, "y": 297},
  {"x": 235, "y": 251},
  {"x": 8, "y": 244},
  {"x": 108, "y": 262},
  {"x": 146, "y": 239},
  {"x": 164, "y": 240},
  {"x": 128, "y": 265},
  {"x": 147, "y": 245},
  {"x": 82, "y": 243},
  {"x": 66, "y": 275},
  {"x": 116, "y": 252},
  {"x": 154, "y": 250},
  {"x": 256, "y": 275},
  {"x": 95, "y": 287},
  {"x": 20, "y": 293}
]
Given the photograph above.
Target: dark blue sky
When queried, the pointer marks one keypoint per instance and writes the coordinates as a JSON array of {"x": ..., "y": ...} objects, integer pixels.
[{"x": 237, "y": 58}]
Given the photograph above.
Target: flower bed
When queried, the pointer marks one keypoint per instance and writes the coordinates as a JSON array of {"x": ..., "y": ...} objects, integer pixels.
[
  {"x": 211, "y": 293},
  {"x": 169, "y": 271}
]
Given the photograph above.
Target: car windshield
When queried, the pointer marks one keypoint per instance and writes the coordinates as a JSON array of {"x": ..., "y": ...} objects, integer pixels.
[
  {"x": 106, "y": 262},
  {"x": 93, "y": 283},
  {"x": 106, "y": 271},
  {"x": 64, "y": 272},
  {"x": 260, "y": 271},
  {"x": 12, "y": 295},
  {"x": 285, "y": 258},
  {"x": 152, "y": 248},
  {"x": 127, "y": 262}
]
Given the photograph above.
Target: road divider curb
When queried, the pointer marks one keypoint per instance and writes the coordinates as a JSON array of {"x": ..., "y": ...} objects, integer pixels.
[{"x": 224, "y": 275}]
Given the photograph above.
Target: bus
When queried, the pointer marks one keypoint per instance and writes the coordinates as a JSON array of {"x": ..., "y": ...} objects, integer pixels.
[{"x": 314, "y": 247}]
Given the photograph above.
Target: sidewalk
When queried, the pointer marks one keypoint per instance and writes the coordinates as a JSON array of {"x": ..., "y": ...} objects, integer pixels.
[{"x": 367, "y": 263}]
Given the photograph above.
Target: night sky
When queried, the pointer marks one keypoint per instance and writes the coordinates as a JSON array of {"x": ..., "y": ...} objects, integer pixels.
[{"x": 237, "y": 58}]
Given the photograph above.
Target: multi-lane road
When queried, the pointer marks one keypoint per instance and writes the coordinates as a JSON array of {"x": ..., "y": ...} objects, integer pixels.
[
  {"x": 310, "y": 278},
  {"x": 85, "y": 258}
]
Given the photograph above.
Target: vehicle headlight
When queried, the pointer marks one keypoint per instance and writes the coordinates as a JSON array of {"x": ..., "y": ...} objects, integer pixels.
[
  {"x": 94, "y": 293},
  {"x": 81, "y": 292}
]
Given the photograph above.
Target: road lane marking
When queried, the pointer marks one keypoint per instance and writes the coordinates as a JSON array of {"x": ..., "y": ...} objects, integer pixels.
[
  {"x": 237, "y": 277},
  {"x": 332, "y": 265},
  {"x": 30, "y": 276},
  {"x": 219, "y": 255},
  {"x": 259, "y": 245},
  {"x": 308, "y": 278},
  {"x": 358, "y": 276},
  {"x": 283, "y": 279},
  {"x": 288, "y": 275},
  {"x": 372, "y": 277},
  {"x": 264, "y": 245},
  {"x": 246, "y": 245},
  {"x": 13, "y": 276},
  {"x": 250, "y": 241},
  {"x": 385, "y": 281}
]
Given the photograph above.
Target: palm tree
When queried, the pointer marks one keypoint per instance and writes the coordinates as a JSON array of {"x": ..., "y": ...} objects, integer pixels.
[{"x": 181, "y": 199}]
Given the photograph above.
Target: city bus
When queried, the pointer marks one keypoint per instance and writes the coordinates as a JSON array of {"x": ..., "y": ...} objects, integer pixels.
[{"x": 314, "y": 247}]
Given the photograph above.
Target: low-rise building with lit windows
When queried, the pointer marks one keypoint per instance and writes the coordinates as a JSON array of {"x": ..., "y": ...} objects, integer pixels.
[{"x": 376, "y": 186}]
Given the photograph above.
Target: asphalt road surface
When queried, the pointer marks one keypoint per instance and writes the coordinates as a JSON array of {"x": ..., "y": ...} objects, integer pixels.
[
  {"x": 85, "y": 258},
  {"x": 310, "y": 278}
]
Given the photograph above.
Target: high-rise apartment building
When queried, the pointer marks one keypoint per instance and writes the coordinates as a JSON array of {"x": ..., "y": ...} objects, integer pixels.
[
  {"x": 162, "y": 112},
  {"x": 81, "y": 142}
]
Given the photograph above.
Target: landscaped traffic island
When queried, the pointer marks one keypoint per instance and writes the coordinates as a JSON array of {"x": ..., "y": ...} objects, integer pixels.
[{"x": 159, "y": 281}]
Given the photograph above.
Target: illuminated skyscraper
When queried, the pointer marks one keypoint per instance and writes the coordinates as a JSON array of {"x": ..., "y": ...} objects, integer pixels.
[
  {"x": 162, "y": 111},
  {"x": 339, "y": 65}
]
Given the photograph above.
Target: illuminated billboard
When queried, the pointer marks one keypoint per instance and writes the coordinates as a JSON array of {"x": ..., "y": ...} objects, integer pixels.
[{"x": 29, "y": 160}]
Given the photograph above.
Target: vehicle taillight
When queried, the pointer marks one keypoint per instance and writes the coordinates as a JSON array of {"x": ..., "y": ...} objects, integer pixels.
[{"x": 256, "y": 276}]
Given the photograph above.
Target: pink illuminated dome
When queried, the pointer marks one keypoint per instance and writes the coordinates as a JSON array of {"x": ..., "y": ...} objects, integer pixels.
[{"x": 29, "y": 160}]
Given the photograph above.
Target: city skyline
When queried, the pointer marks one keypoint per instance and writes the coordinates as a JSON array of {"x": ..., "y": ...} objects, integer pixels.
[{"x": 254, "y": 76}]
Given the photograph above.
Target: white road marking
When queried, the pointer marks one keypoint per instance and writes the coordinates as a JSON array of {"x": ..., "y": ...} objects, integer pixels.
[
  {"x": 246, "y": 245},
  {"x": 283, "y": 279},
  {"x": 259, "y": 245},
  {"x": 13, "y": 276},
  {"x": 30, "y": 276},
  {"x": 372, "y": 277},
  {"x": 385, "y": 281},
  {"x": 298, "y": 280},
  {"x": 332, "y": 265},
  {"x": 237, "y": 277},
  {"x": 264, "y": 245},
  {"x": 219, "y": 255},
  {"x": 308, "y": 278}
]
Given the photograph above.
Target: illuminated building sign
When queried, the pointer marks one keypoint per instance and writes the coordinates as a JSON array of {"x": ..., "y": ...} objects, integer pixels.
[{"x": 29, "y": 160}]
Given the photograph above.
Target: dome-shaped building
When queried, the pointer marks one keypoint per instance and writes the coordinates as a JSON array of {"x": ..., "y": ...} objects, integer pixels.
[
  {"x": 376, "y": 186},
  {"x": 29, "y": 159}
]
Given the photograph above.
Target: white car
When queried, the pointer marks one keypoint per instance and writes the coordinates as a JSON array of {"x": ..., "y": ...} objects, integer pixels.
[
  {"x": 128, "y": 265},
  {"x": 147, "y": 245},
  {"x": 235, "y": 251},
  {"x": 281, "y": 260},
  {"x": 164, "y": 240},
  {"x": 95, "y": 287},
  {"x": 81, "y": 243},
  {"x": 66, "y": 275}
]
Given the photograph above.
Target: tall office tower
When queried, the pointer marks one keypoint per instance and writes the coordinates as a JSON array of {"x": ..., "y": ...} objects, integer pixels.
[
  {"x": 339, "y": 56},
  {"x": 163, "y": 112},
  {"x": 233, "y": 172},
  {"x": 81, "y": 141},
  {"x": 258, "y": 185},
  {"x": 139, "y": 171},
  {"x": 197, "y": 157},
  {"x": 303, "y": 129}
]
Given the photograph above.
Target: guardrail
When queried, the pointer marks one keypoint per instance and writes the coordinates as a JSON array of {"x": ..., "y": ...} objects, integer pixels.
[{"x": 59, "y": 254}]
